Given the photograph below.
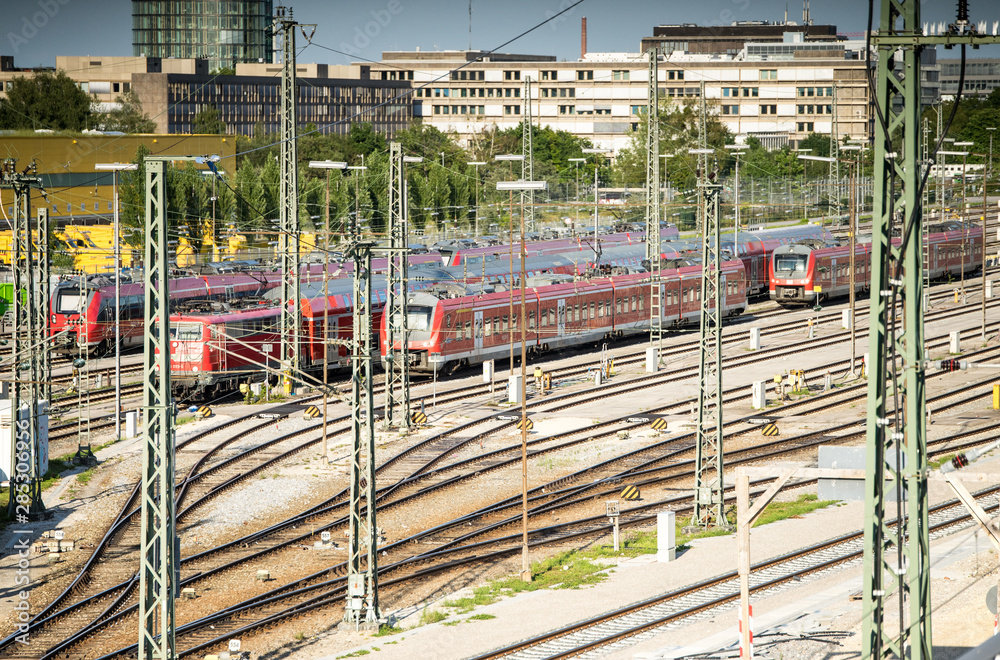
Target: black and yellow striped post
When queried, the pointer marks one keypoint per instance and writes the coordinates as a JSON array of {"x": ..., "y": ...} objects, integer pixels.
[
  {"x": 526, "y": 423},
  {"x": 312, "y": 412},
  {"x": 630, "y": 493},
  {"x": 418, "y": 418},
  {"x": 204, "y": 411},
  {"x": 658, "y": 424},
  {"x": 770, "y": 429}
]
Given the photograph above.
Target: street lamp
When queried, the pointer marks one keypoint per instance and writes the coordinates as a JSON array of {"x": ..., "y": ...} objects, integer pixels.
[
  {"x": 738, "y": 150},
  {"x": 477, "y": 163},
  {"x": 327, "y": 165},
  {"x": 115, "y": 168},
  {"x": 597, "y": 252},
  {"x": 525, "y": 566}
]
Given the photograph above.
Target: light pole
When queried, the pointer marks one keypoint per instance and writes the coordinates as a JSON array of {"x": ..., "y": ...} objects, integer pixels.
[
  {"x": 989, "y": 171},
  {"x": 525, "y": 565},
  {"x": 326, "y": 165},
  {"x": 737, "y": 152},
  {"x": 597, "y": 250},
  {"x": 477, "y": 163},
  {"x": 115, "y": 168},
  {"x": 510, "y": 159},
  {"x": 577, "y": 161}
]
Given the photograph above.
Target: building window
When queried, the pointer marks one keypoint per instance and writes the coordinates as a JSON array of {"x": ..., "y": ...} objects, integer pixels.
[
  {"x": 728, "y": 92},
  {"x": 638, "y": 109},
  {"x": 750, "y": 91},
  {"x": 768, "y": 74},
  {"x": 769, "y": 109},
  {"x": 619, "y": 75},
  {"x": 512, "y": 109},
  {"x": 567, "y": 109},
  {"x": 675, "y": 75},
  {"x": 584, "y": 75},
  {"x": 511, "y": 75},
  {"x": 567, "y": 92},
  {"x": 730, "y": 109},
  {"x": 550, "y": 75},
  {"x": 804, "y": 126}
]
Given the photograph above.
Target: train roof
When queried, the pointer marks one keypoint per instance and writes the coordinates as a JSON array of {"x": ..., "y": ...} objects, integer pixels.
[{"x": 232, "y": 316}]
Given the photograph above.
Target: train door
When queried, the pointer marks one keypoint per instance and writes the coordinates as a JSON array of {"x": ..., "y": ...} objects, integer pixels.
[
  {"x": 754, "y": 274},
  {"x": 478, "y": 327},
  {"x": 561, "y": 311}
]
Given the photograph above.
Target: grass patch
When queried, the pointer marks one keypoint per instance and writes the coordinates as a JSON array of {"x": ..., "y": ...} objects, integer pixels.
[
  {"x": 431, "y": 616},
  {"x": 451, "y": 623},
  {"x": 85, "y": 476},
  {"x": 184, "y": 419},
  {"x": 567, "y": 570},
  {"x": 481, "y": 617},
  {"x": 355, "y": 654},
  {"x": 385, "y": 631},
  {"x": 938, "y": 462},
  {"x": 781, "y": 510}
]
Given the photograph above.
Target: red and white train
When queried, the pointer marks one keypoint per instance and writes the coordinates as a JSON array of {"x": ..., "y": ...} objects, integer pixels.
[
  {"x": 470, "y": 329},
  {"x": 804, "y": 274},
  {"x": 82, "y": 314}
]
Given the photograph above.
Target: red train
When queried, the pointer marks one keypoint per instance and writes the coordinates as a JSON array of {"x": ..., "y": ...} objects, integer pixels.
[
  {"x": 83, "y": 313},
  {"x": 797, "y": 270},
  {"x": 470, "y": 329}
]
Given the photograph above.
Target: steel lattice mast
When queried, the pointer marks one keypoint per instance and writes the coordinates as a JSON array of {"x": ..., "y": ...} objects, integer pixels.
[
  {"x": 709, "y": 505},
  {"x": 362, "y": 608},
  {"x": 897, "y": 556},
  {"x": 288, "y": 232},
  {"x": 41, "y": 308},
  {"x": 527, "y": 165},
  {"x": 29, "y": 341},
  {"x": 158, "y": 557},
  {"x": 653, "y": 249},
  {"x": 397, "y": 389}
]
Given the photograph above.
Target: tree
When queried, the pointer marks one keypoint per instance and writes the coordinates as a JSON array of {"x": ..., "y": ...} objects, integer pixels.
[
  {"x": 128, "y": 117},
  {"x": 46, "y": 100},
  {"x": 208, "y": 122}
]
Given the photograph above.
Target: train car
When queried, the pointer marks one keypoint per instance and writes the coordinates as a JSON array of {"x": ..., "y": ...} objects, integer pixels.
[
  {"x": 470, "y": 329},
  {"x": 213, "y": 351},
  {"x": 797, "y": 271},
  {"x": 82, "y": 312}
]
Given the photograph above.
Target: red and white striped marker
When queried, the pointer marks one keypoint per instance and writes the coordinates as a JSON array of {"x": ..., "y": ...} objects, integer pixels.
[{"x": 746, "y": 653}]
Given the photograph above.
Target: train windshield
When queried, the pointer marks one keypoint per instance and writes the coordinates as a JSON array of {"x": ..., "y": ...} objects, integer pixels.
[
  {"x": 185, "y": 332},
  {"x": 68, "y": 302},
  {"x": 791, "y": 262},
  {"x": 418, "y": 317}
]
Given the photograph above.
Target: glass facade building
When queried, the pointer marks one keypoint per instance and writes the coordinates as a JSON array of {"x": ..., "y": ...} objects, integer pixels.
[{"x": 222, "y": 31}]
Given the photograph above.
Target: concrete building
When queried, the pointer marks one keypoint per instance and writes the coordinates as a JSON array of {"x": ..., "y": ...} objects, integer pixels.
[
  {"x": 777, "y": 91},
  {"x": 224, "y": 33},
  {"x": 982, "y": 76},
  {"x": 730, "y": 39}
]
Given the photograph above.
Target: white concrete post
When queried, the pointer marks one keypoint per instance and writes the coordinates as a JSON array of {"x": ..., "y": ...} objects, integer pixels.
[
  {"x": 758, "y": 395},
  {"x": 754, "y": 339},
  {"x": 955, "y": 342},
  {"x": 989, "y": 289},
  {"x": 514, "y": 388},
  {"x": 666, "y": 533},
  {"x": 131, "y": 424},
  {"x": 845, "y": 319}
]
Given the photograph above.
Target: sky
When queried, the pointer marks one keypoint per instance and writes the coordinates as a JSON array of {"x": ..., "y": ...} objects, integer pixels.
[{"x": 35, "y": 31}]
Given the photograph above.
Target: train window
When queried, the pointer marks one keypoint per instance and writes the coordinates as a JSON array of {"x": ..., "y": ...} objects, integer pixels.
[
  {"x": 489, "y": 327},
  {"x": 496, "y": 324},
  {"x": 468, "y": 329},
  {"x": 618, "y": 305},
  {"x": 506, "y": 323},
  {"x": 576, "y": 312},
  {"x": 531, "y": 320},
  {"x": 592, "y": 308},
  {"x": 635, "y": 304},
  {"x": 185, "y": 331},
  {"x": 68, "y": 302},
  {"x": 600, "y": 309},
  {"x": 544, "y": 319},
  {"x": 640, "y": 303},
  {"x": 513, "y": 321},
  {"x": 552, "y": 316},
  {"x": 791, "y": 262},
  {"x": 418, "y": 317},
  {"x": 447, "y": 321}
]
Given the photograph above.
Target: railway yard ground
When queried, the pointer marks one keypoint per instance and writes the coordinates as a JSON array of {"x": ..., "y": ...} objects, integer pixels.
[{"x": 578, "y": 428}]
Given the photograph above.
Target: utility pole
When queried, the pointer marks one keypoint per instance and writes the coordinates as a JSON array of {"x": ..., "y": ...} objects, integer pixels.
[
  {"x": 29, "y": 342},
  {"x": 527, "y": 165},
  {"x": 361, "y": 610},
  {"x": 397, "y": 385},
  {"x": 288, "y": 233},
  {"x": 835, "y": 153},
  {"x": 896, "y": 566},
  {"x": 653, "y": 250},
  {"x": 42, "y": 306},
  {"x": 709, "y": 504}
]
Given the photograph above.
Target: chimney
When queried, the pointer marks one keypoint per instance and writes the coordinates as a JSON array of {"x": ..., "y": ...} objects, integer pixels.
[{"x": 583, "y": 37}]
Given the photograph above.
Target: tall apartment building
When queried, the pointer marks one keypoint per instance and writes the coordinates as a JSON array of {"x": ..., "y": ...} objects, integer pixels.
[
  {"x": 777, "y": 91},
  {"x": 224, "y": 32},
  {"x": 982, "y": 76}
]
